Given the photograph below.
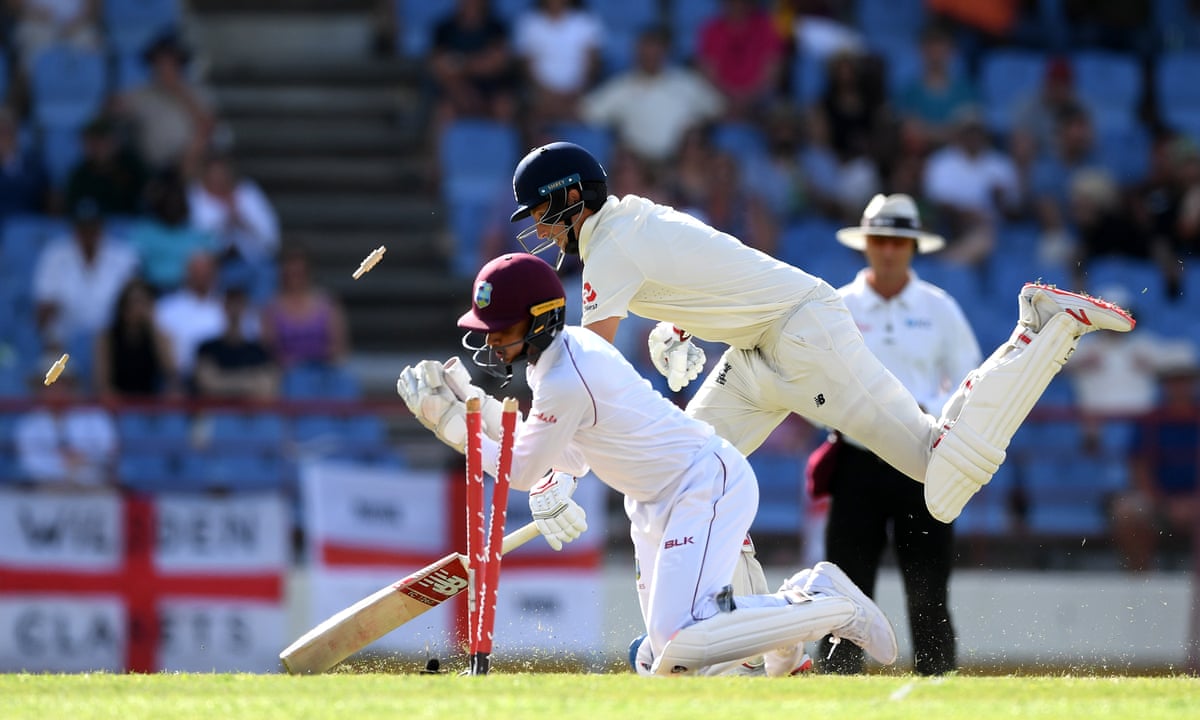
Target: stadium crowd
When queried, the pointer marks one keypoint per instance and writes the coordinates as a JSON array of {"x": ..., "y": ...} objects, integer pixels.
[{"x": 1051, "y": 139}]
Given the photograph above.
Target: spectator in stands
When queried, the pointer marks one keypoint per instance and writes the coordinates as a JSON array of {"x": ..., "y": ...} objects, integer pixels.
[
  {"x": 473, "y": 66},
  {"x": 231, "y": 365},
  {"x": 42, "y": 23},
  {"x": 303, "y": 324},
  {"x": 838, "y": 185},
  {"x": 1184, "y": 236},
  {"x": 24, "y": 185},
  {"x": 109, "y": 172},
  {"x": 78, "y": 277},
  {"x": 1035, "y": 119},
  {"x": 977, "y": 25},
  {"x": 558, "y": 43},
  {"x": 1164, "y": 500},
  {"x": 172, "y": 115},
  {"x": 1117, "y": 25},
  {"x": 973, "y": 187},
  {"x": 133, "y": 356},
  {"x": 1117, "y": 378},
  {"x": 741, "y": 54},
  {"x": 653, "y": 104},
  {"x": 165, "y": 238},
  {"x": 193, "y": 313},
  {"x": 235, "y": 211},
  {"x": 928, "y": 103},
  {"x": 1050, "y": 180},
  {"x": 1104, "y": 224},
  {"x": 922, "y": 336},
  {"x": 62, "y": 443}
]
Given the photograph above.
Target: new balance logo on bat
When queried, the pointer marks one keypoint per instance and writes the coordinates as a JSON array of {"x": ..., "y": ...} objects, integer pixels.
[{"x": 435, "y": 588}]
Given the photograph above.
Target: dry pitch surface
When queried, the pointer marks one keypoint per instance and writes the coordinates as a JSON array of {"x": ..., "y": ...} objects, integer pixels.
[{"x": 602, "y": 696}]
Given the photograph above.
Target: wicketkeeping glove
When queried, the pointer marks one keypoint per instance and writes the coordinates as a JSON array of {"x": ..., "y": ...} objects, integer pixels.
[
  {"x": 458, "y": 380},
  {"x": 559, "y": 518},
  {"x": 431, "y": 401},
  {"x": 675, "y": 356}
]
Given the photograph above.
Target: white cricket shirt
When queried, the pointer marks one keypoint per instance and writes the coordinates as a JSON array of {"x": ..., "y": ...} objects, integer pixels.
[
  {"x": 920, "y": 335},
  {"x": 656, "y": 262},
  {"x": 591, "y": 409}
]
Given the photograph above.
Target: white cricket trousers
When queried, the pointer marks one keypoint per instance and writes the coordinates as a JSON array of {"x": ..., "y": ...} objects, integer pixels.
[
  {"x": 687, "y": 543},
  {"x": 816, "y": 364}
]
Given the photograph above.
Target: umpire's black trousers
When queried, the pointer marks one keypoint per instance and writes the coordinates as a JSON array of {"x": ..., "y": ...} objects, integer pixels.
[{"x": 869, "y": 498}]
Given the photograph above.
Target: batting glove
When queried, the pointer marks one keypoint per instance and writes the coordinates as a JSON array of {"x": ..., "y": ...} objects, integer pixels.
[
  {"x": 675, "y": 355},
  {"x": 559, "y": 518},
  {"x": 433, "y": 403}
]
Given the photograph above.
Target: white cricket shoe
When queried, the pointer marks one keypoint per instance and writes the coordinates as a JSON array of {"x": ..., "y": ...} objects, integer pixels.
[
  {"x": 1039, "y": 302},
  {"x": 787, "y": 662},
  {"x": 870, "y": 628}
]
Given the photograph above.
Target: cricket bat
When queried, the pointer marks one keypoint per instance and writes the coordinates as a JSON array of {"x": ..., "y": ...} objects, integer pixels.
[{"x": 369, "y": 619}]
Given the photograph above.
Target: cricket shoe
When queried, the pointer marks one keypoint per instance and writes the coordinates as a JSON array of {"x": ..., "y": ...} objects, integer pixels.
[
  {"x": 1039, "y": 302},
  {"x": 787, "y": 662},
  {"x": 869, "y": 628}
]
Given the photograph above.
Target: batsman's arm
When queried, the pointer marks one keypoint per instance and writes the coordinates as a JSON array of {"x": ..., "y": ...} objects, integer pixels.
[{"x": 369, "y": 619}]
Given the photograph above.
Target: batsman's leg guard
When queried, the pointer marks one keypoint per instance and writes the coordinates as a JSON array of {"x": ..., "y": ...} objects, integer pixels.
[
  {"x": 748, "y": 579},
  {"x": 745, "y": 632},
  {"x": 990, "y": 406}
]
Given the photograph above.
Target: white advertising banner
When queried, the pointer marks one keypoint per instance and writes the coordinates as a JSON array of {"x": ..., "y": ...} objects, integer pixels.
[
  {"x": 105, "y": 582},
  {"x": 372, "y": 527}
]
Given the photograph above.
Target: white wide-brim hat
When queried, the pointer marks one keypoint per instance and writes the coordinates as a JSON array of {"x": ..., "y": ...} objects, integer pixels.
[{"x": 891, "y": 216}]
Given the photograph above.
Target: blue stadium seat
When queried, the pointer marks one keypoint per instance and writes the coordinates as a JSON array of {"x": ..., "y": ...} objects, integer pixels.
[
  {"x": 166, "y": 431},
  {"x": 21, "y": 242},
  {"x": 146, "y": 471},
  {"x": 1110, "y": 85},
  {"x": 780, "y": 493},
  {"x": 987, "y": 512},
  {"x": 68, "y": 86},
  {"x": 1176, "y": 88},
  {"x": 1067, "y": 495},
  {"x": 316, "y": 428},
  {"x": 129, "y": 72},
  {"x": 598, "y": 140},
  {"x": 1006, "y": 78},
  {"x": 477, "y": 158},
  {"x": 509, "y": 10},
  {"x": 883, "y": 20},
  {"x": 132, "y": 24},
  {"x": 416, "y": 20},
  {"x": 685, "y": 20},
  {"x": 740, "y": 139},
  {"x": 808, "y": 78},
  {"x": 4, "y": 71},
  {"x": 62, "y": 149},
  {"x": 1142, "y": 279},
  {"x": 1176, "y": 25},
  {"x": 962, "y": 283},
  {"x": 218, "y": 469}
]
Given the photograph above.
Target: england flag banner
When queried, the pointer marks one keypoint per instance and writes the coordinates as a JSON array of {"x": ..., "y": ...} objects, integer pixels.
[
  {"x": 370, "y": 527},
  {"x": 101, "y": 582}
]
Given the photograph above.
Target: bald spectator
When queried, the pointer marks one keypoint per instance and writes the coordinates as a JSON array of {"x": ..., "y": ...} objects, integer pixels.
[
  {"x": 193, "y": 313},
  {"x": 655, "y": 103}
]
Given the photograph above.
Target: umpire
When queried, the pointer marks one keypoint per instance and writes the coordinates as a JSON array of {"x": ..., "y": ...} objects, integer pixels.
[{"x": 923, "y": 338}]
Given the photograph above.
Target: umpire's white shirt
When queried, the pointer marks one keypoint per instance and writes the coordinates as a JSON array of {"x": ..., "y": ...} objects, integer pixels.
[
  {"x": 663, "y": 264},
  {"x": 921, "y": 335}
]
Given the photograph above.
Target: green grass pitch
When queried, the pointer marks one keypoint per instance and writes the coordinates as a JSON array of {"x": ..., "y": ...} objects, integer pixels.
[{"x": 507, "y": 696}]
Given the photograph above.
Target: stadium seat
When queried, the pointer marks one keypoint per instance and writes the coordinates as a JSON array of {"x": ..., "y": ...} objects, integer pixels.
[
  {"x": 808, "y": 78},
  {"x": 415, "y": 22},
  {"x": 215, "y": 469},
  {"x": 882, "y": 20},
  {"x": 62, "y": 149},
  {"x": 623, "y": 20},
  {"x": 1176, "y": 89},
  {"x": 146, "y": 471},
  {"x": 1176, "y": 25},
  {"x": 21, "y": 242},
  {"x": 1110, "y": 85},
  {"x": 316, "y": 428},
  {"x": 685, "y": 20},
  {"x": 132, "y": 24},
  {"x": 477, "y": 158},
  {"x": 987, "y": 512},
  {"x": 1125, "y": 152},
  {"x": 1142, "y": 279},
  {"x": 4, "y": 71},
  {"x": 1068, "y": 495},
  {"x": 780, "y": 493},
  {"x": 1006, "y": 78},
  {"x": 68, "y": 86},
  {"x": 598, "y": 140}
]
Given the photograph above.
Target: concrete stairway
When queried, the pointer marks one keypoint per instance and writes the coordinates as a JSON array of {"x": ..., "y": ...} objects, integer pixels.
[{"x": 336, "y": 138}]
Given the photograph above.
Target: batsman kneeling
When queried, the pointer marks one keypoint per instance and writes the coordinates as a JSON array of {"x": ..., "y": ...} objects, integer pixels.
[{"x": 689, "y": 495}]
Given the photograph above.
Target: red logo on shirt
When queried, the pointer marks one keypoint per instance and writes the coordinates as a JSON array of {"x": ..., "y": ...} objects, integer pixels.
[
  {"x": 678, "y": 542},
  {"x": 589, "y": 294},
  {"x": 549, "y": 419}
]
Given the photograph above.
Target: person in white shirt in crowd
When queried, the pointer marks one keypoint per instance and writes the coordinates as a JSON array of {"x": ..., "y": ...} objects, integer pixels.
[
  {"x": 1116, "y": 377},
  {"x": 193, "y": 313},
  {"x": 653, "y": 105},
  {"x": 793, "y": 345},
  {"x": 559, "y": 45},
  {"x": 921, "y": 335},
  {"x": 974, "y": 186},
  {"x": 78, "y": 277},
  {"x": 61, "y": 442},
  {"x": 689, "y": 495},
  {"x": 235, "y": 211}
]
